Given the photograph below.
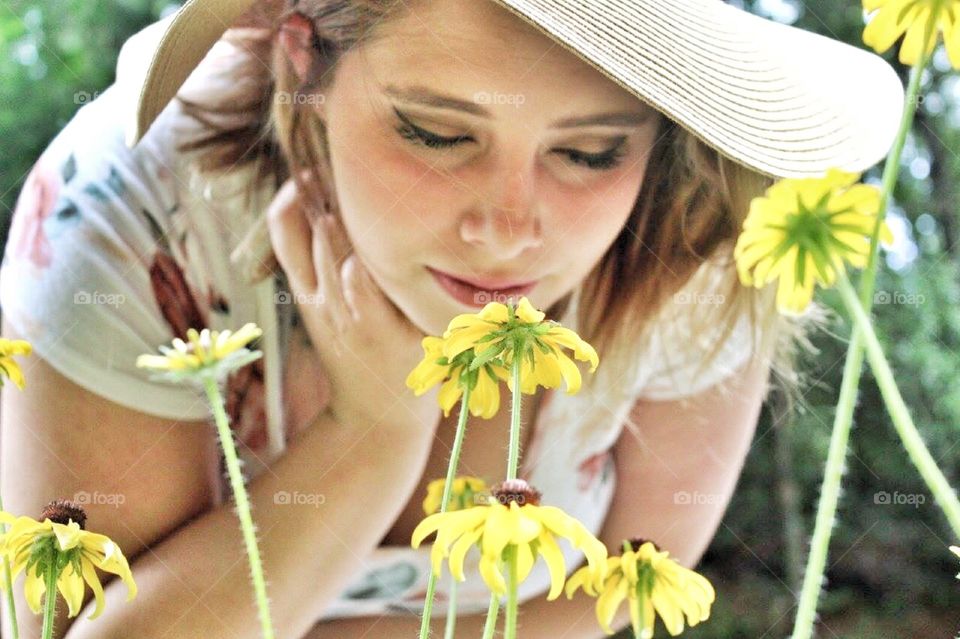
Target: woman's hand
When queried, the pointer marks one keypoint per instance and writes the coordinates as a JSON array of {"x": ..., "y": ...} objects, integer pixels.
[{"x": 365, "y": 345}]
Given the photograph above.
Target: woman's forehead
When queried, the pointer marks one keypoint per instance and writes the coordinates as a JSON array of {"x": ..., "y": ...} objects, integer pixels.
[
  {"x": 476, "y": 45},
  {"x": 469, "y": 32}
]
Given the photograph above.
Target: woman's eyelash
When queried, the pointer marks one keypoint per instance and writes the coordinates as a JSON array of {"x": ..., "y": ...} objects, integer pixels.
[{"x": 598, "y": 161}]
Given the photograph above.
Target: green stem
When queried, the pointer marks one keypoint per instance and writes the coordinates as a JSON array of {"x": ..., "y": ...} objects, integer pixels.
[
  {"x": 513, "y": 456},
  {"x": 451, "y": 625},
  {"x": 50, "y": 602},
  {"x": 491, "y": 624},
  {"x": 243, "y": 505},
  {"x": 899, "y": 413},
  {"x": 829, "y": 493},
  {"x": 510, "y": 620},
  {"x": 853, "y": 367},
  {"x": 444, "y": 500},
  {"x": 11, "y": 603}
]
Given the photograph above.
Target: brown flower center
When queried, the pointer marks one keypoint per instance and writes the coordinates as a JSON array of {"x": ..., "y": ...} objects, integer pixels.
[
  {"x": 62, "y": 511},
  {"x": 636, "y": 542},
  {"x": 515, "y": 490}
]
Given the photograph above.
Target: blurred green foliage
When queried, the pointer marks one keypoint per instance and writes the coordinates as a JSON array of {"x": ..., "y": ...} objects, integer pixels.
[
  {"x": 55, "y": 55},
  {"x": 890, "y": 573}
]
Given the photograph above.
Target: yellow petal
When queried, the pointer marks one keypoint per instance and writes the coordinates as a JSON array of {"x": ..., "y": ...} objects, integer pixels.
[
  {"x": 524, "y": 559},
  {"x": 490, "y": 572},
  {"x": 609, "y": 601},
  {"x": 499, "y": 529},
  {"x": 570, "y": 372},
  {"x": 459, "y": 551},
  {"x": 581, "y": 349},
  {"x": 527, "y": 313},
  {"x": 485, "y": 398},
  {"x": 33, "y": 590},
  {"x": 91, "y": 577},
  {"x": 114, "y": 562},
  {"x": 70, "y": 585},
  {"x": 550, "y": 551},
  {"x": 450, "y": 393}
]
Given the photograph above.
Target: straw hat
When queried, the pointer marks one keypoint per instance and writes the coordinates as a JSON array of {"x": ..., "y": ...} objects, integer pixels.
[{"x": 781, "y": 100}]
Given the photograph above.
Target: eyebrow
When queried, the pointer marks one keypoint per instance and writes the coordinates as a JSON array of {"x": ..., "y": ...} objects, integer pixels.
[{"x": 426, "y": 97}]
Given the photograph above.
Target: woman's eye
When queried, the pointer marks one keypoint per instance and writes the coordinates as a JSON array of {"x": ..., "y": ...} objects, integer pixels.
[
  {"x": 605, "y": 160},
  {"x": 420, "y": 136},
  {"x": 609, "y": 159}
]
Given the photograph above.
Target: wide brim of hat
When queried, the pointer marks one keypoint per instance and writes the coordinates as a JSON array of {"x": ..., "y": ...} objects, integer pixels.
[{"x": 777, "y": 99}]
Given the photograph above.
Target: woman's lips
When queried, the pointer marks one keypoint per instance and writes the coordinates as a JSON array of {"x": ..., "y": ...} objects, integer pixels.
[{"x": 479, "y": 296}]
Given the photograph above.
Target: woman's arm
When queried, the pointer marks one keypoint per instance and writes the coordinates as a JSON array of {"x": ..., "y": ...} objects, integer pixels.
[
  {"x": 188, "y": 560},
  {"x": 196, "y": 584},
  {"x": 676, "y": 475},
  {"x": 674, "y": 481}
]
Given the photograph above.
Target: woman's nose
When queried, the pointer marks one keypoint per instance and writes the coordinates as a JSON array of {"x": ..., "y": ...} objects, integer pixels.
[{"x": 506, "y": 220}]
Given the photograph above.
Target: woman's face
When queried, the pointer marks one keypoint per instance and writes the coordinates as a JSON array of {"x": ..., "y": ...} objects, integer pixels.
[{"x": 460, "y": 146}]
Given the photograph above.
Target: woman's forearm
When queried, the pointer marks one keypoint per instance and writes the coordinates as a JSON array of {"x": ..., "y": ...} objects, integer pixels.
[
  {"x": 538, "y": 619},
  {"x": 320, "y": 508}
]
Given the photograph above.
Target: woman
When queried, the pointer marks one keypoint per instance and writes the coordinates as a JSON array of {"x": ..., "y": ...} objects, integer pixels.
[{"x": 351, "y": 175}]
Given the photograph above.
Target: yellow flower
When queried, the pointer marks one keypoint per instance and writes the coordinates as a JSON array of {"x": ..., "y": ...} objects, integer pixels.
[
  {"x": 802, "y": 230},
  {"x": 649, "y": 581},
  {"x": 435, "y": 368},
  {"x": 207, "y": 353},
  {"x": 921, "y": 20},
  {"x": 500, "y": 330},
  {"x": 463, "y": 494},
  {"x": 513, "y": 519},
  {"x": 956, "y": 550},
  {"x": 8, "y": 366},
  {"x": 31, "y": 546}
]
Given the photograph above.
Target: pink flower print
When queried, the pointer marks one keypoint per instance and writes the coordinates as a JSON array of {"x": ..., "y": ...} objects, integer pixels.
[
  {"x": 36, "y": 202},
  {"x": 590, "y": 468},
  {"x": 245, "y": 390}
]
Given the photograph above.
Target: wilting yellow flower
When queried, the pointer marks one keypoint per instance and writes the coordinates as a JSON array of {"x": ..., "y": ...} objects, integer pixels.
[
  {"x": 802, "y": 230},
  {"x": 435, "y": 367},
  {"x": 31, "y": 546},
  {"x": 207, "y": 353},
  {"x": 513, "y": 519},
  {"x": 649, "y": 581},
  {"x": 498, "y": 329},
  {"x": 8, "y": 366},
  {"x": 921, "y": 20},
  {"x": 463, "y": 494}
]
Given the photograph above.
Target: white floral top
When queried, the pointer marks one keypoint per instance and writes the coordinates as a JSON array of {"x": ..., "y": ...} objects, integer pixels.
[{"x": 114, "y": 251}]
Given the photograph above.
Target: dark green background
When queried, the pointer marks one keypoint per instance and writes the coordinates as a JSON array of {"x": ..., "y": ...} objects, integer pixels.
[{"x": 890, "y": 574}]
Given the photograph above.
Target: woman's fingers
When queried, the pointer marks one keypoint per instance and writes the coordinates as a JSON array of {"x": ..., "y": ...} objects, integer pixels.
[
  {"x": 327, "y": 263},
  {"x": 290, "y": 236}
]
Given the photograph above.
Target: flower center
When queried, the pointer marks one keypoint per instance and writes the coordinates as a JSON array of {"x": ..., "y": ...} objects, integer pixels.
[
  {"x": 516, "y": 490},
  {"x": 636, "y": 542},
  {"x": 62, "y": 511}
]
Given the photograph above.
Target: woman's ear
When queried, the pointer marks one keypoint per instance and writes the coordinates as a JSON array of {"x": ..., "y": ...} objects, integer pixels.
[{"x": 296, "y": 38}]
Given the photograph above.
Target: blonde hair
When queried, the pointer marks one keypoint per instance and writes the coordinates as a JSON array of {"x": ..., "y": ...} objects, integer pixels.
[{"x": 689, "y": 210}]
